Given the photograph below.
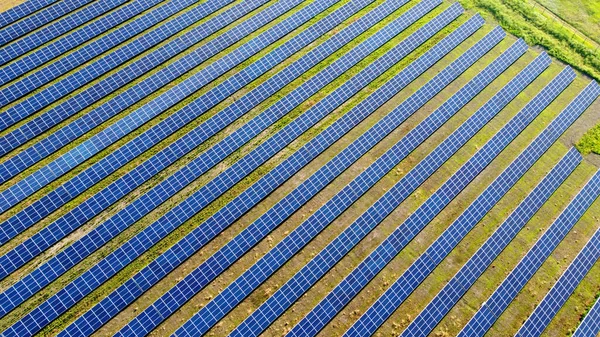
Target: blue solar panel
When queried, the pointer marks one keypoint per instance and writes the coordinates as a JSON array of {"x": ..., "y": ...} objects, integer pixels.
[
  {"x": 564, "y": 287},
  {"x": 41, "y": 18},
  {"x": 462, "y": 281},
  {"x": 394, "y": 296},
  {"x": 77, "y": 37},
  {"x": 156, "y": 231},
  {"x": 174, "y": 95},
  {"x": 590, "y": 325},
  {"x": 68, "y": 41},
  {"x": 519, "y": 276},
  {"x": 369, "y": 267},
  {"x": 105, "y": 86},
  {"x": 272, "y": 180},
  {"x": 22, "y": 10},
  {"x": 95, "y": 204},
  {"x": 303, "y": 280},
  {"x": 212, "y": 267}
]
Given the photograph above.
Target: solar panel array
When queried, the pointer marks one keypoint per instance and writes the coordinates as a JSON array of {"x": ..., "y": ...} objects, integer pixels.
[
  {"x": 464, "y": 279},
  {"x": 444, "y": 244},
  {"x": 101, "y": 66},
  {"x": 451, "y": 293},
  {"x": 564, "y": 287},
  {"x": 286, "y": 295},
  {"x": 129, "y": 123},
  {"x": 43, "y": 17},
  {"x": 22, "y": 10},
  {"x": 70, "y": 67},
  {"x": 198, "y": 200},
  {"x": 590, "y": 325},
  {"x": 89, "y": 31},
  {"x": 521, "y": 274},
  {"x": 312, "y": 323},
  {"x": 102, "y": 200},
  {"x": 40, "y": 37},
  {"x": 270, "y": 220}
]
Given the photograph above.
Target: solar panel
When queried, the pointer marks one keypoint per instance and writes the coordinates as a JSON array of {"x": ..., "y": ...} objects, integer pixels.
[
  {"x": 397, "y": 293},
  {"x": 519, "y": 276},
  {"x": 105, "y": 86},
  {"x": 194, "y": 282},
  {"x": 302, "y": 281},
  {"x": 387, "y": 250},
  {"x": 100, "y": 201},
  {"x": 590, "y": 325},
  {"x": 155, "y": 232},
  {"x": 22, "y": 10},
  {"x": 174, "y": 95},
  {"x": 77, "y": 37},
  {"x": 74, "y": 38},
  {"x": 562, "y": 289},
  {"x": 454, "y": 289},
  {"x": 40, "y": 18}
]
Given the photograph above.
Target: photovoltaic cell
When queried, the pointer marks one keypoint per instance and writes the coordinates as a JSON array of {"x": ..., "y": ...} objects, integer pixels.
[
  {"x": 455, "y": 289},
  {"x": 590, "y": 325},
  {"x": 114, "y": 81},
  {"x": 95, "y": 204},
  {"x": 74, "y": 38},
  {"x": 302, "y": 281},
  {"x": 394, "y": 296},
  {"x": 564, "y": 287},
  {"x": 101, "y": 66},
  {"x": 42, "y": 17},
  {"x": 149, "y": 236},
  {"x": 369, "y": 267},
  {"x": 520, "y": 275},
  {"x": 174, "y": 95},
  {"x": 194, "y": 282},
  {"x": 77, "y": 37},
  {"x": 175, "y": 183},
  {"x": 22, "y": 10}
]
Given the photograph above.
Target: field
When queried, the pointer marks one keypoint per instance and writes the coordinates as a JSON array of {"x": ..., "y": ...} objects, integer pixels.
[
  {"x": 581, "y": 14},
  {"x": 574, "y": 52}
]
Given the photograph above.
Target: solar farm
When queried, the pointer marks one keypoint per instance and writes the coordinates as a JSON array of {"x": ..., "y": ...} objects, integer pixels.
[{"x": 291, "y": 168}]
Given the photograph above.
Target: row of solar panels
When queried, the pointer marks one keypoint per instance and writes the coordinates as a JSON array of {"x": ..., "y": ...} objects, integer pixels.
[{"x": 264, "y": 267}]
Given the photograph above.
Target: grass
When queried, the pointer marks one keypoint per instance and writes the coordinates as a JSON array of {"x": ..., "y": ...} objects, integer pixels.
[
  {"x": 509, "y": 322},
  {"x": 567, "y": 41},
  {"x": 583, "y": 15}
]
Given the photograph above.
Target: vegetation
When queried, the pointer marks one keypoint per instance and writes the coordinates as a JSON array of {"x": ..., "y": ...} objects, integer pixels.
[
  {"x": 524, "y": 19},
  {"x": 541, "y": 25},
  {"x": 583, "y": 15},
  {"x": 590, "y": 142}
]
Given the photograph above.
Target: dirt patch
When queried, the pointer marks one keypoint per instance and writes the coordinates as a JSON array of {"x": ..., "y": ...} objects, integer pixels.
[{"x": 8, "y": 4}]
